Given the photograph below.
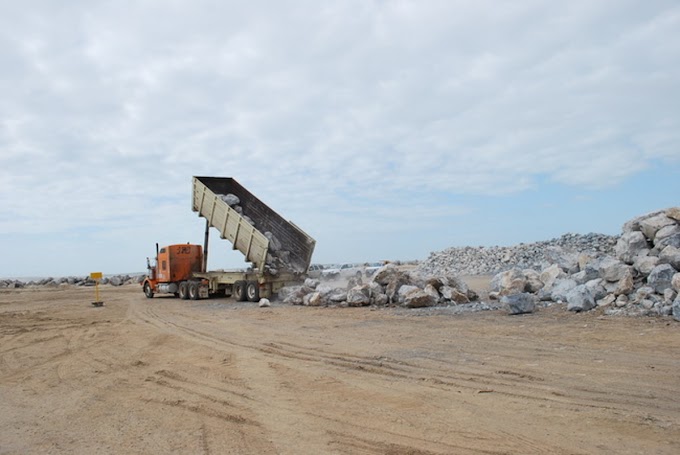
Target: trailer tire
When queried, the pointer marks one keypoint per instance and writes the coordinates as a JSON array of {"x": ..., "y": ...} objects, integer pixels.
[
  {"x": 253, "y": 291},
  {"x": 193, "y": 290},
  {"x": 183, "y": 290},
  {"x": 148, "y": 292},
  {"x": 240, "y": 291}
]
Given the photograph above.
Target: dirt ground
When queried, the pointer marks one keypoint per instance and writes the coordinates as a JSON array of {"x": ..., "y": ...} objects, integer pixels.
[{"x": 215, "y": 376}]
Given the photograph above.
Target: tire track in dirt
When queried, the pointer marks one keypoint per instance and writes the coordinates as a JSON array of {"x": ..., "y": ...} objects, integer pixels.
[
  {"x": 503, "y": 381},
  {"x": 26, "y": 345},
  {"x": 272, "y": 407},
  {"x": 204, "y": 392},
  {"x": 217, "y": 377},
  {"x": 212, "y": 388},
  {"x": 203, "y": 410},
  {"x": 351, "y": 443},
  {"x": 492, "y": 376},
  {"x": 276, "y": 396},
  {"x": 204, "y": 440}
]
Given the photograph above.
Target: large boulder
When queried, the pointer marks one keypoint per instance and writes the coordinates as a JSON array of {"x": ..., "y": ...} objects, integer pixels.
[
  {"x": 312, "y": 283},
  {"x": 669, "y": 295},
  {"x": 230, "y": 199},
  {"x": 359, "y": 296},
  {"x": 561, "y": 288},
  {"x": 313, "y": 299},
  {"x": 587, "y": 274},
  {"x": 661, "y": 276},
  {"x": 403, "y": 290},
  {"x": 326, "y": 290},
  {"x": 673, "y": 213},
  {"x": 634, "y": 224},
  {"x": 580, "y": 299},
  {"x": 675, "y": 282},
  {"x": 385, "y": 274},
  {"x": 375, "y": 289},
  {"x": 642, "y": 293},
  {"x": 645, "y": 264},
  {"x": 630, "y": 245},
  {"x": 394, "y": 285},
  {"x": 666, "y": 231},
  {"x": 550, "y": 275},
  {"x": 584, "y": 259},
  {"x": 650, "y": 226},
  {"x": 625, "y": 285},
  {"x": 534, "y": 283},
  {"x": 381, "y": 300},
  {"x": 670, "y": 255},
  {"x": 612, "y": 270},
  {"x": 622, "y": 301},
  {"x": 417, "y": 298},
  {"x": 453, "y": 295},
  {"x": 676, "y": 308},
  {"x": 597, "y": 288},
  {"x": 457, "y": 283},
  {"x": 435, "y": 282},
  {"x": 509, "y": 282},
  {"x": 671, "y": 240},
  {"x": 448, "y": 280},
  {"x": 447, "y": 292},
  {"x": 607, "y": 300},
  {"x": 292, "y": 295},
  {"x": 338, "y": 296},
  {"x": 519, "y": 303},
  {"x": 451, "y": 288},
  {"x": 566, "y": 260},
  {"x": 432, "y": 291},
  {"x": 274, "y": 243},
  {"x": 392, "y": 279}
]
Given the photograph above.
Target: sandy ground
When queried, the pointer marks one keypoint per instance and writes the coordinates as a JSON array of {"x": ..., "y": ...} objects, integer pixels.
[{"x": 215, "y": 376}]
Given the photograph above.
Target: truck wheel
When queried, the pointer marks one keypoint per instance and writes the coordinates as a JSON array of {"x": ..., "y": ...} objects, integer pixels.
[
  {"x": 193, "y": 290},
  {"x": 240, "y": 291},
  {"x": 184, "y": 290},
  {"x": 148, "y": 292},
  {"x": 253, "y": 291}
]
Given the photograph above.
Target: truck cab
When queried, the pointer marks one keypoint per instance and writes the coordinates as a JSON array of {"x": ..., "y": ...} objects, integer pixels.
[{"x": 174, "y": 264}]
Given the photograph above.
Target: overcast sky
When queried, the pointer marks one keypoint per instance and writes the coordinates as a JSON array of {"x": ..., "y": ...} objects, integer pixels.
[{"x": 384, "y": 129}]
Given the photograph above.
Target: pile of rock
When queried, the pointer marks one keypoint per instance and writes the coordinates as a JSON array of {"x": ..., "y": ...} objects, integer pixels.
[
  {"x": 640, "y": 277},
  {"x": 389, "y": 286},
  {"x": 535, "y": 256},
  {"x": 116, "y": 280}
]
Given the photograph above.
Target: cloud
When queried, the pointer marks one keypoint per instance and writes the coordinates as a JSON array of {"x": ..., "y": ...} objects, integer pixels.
[{"x": 110, "y": 107}]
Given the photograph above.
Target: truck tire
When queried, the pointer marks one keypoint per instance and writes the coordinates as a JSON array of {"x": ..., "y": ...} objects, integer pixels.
[
  {"x": 148, "y": 292},
  {"x": 240, "y": 291},
  {"x": 183, "y": 290},
  {"x": 253, "y": 291},
  {"x": 193, "y": 290}
]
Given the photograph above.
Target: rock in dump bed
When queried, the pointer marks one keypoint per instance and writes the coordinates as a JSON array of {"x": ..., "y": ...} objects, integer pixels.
[{"x": 277, "y": 258}]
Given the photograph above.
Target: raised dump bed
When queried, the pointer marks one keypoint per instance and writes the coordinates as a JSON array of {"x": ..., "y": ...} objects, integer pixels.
[{"x": 264, "y": 237}]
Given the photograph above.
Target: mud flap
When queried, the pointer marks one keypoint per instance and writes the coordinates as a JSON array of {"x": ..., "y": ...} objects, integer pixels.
[{"x": 203, "y": 291}]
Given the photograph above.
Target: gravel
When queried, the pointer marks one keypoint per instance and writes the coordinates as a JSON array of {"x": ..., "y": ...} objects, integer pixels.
[{"x": 491, "y": 260}]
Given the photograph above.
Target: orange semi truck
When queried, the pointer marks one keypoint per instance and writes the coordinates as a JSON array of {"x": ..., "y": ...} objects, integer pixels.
[{"x": 278, "y": 251}]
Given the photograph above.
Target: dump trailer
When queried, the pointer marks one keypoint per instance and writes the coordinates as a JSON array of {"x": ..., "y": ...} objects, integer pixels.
[{"x": 278, "y": 251}]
